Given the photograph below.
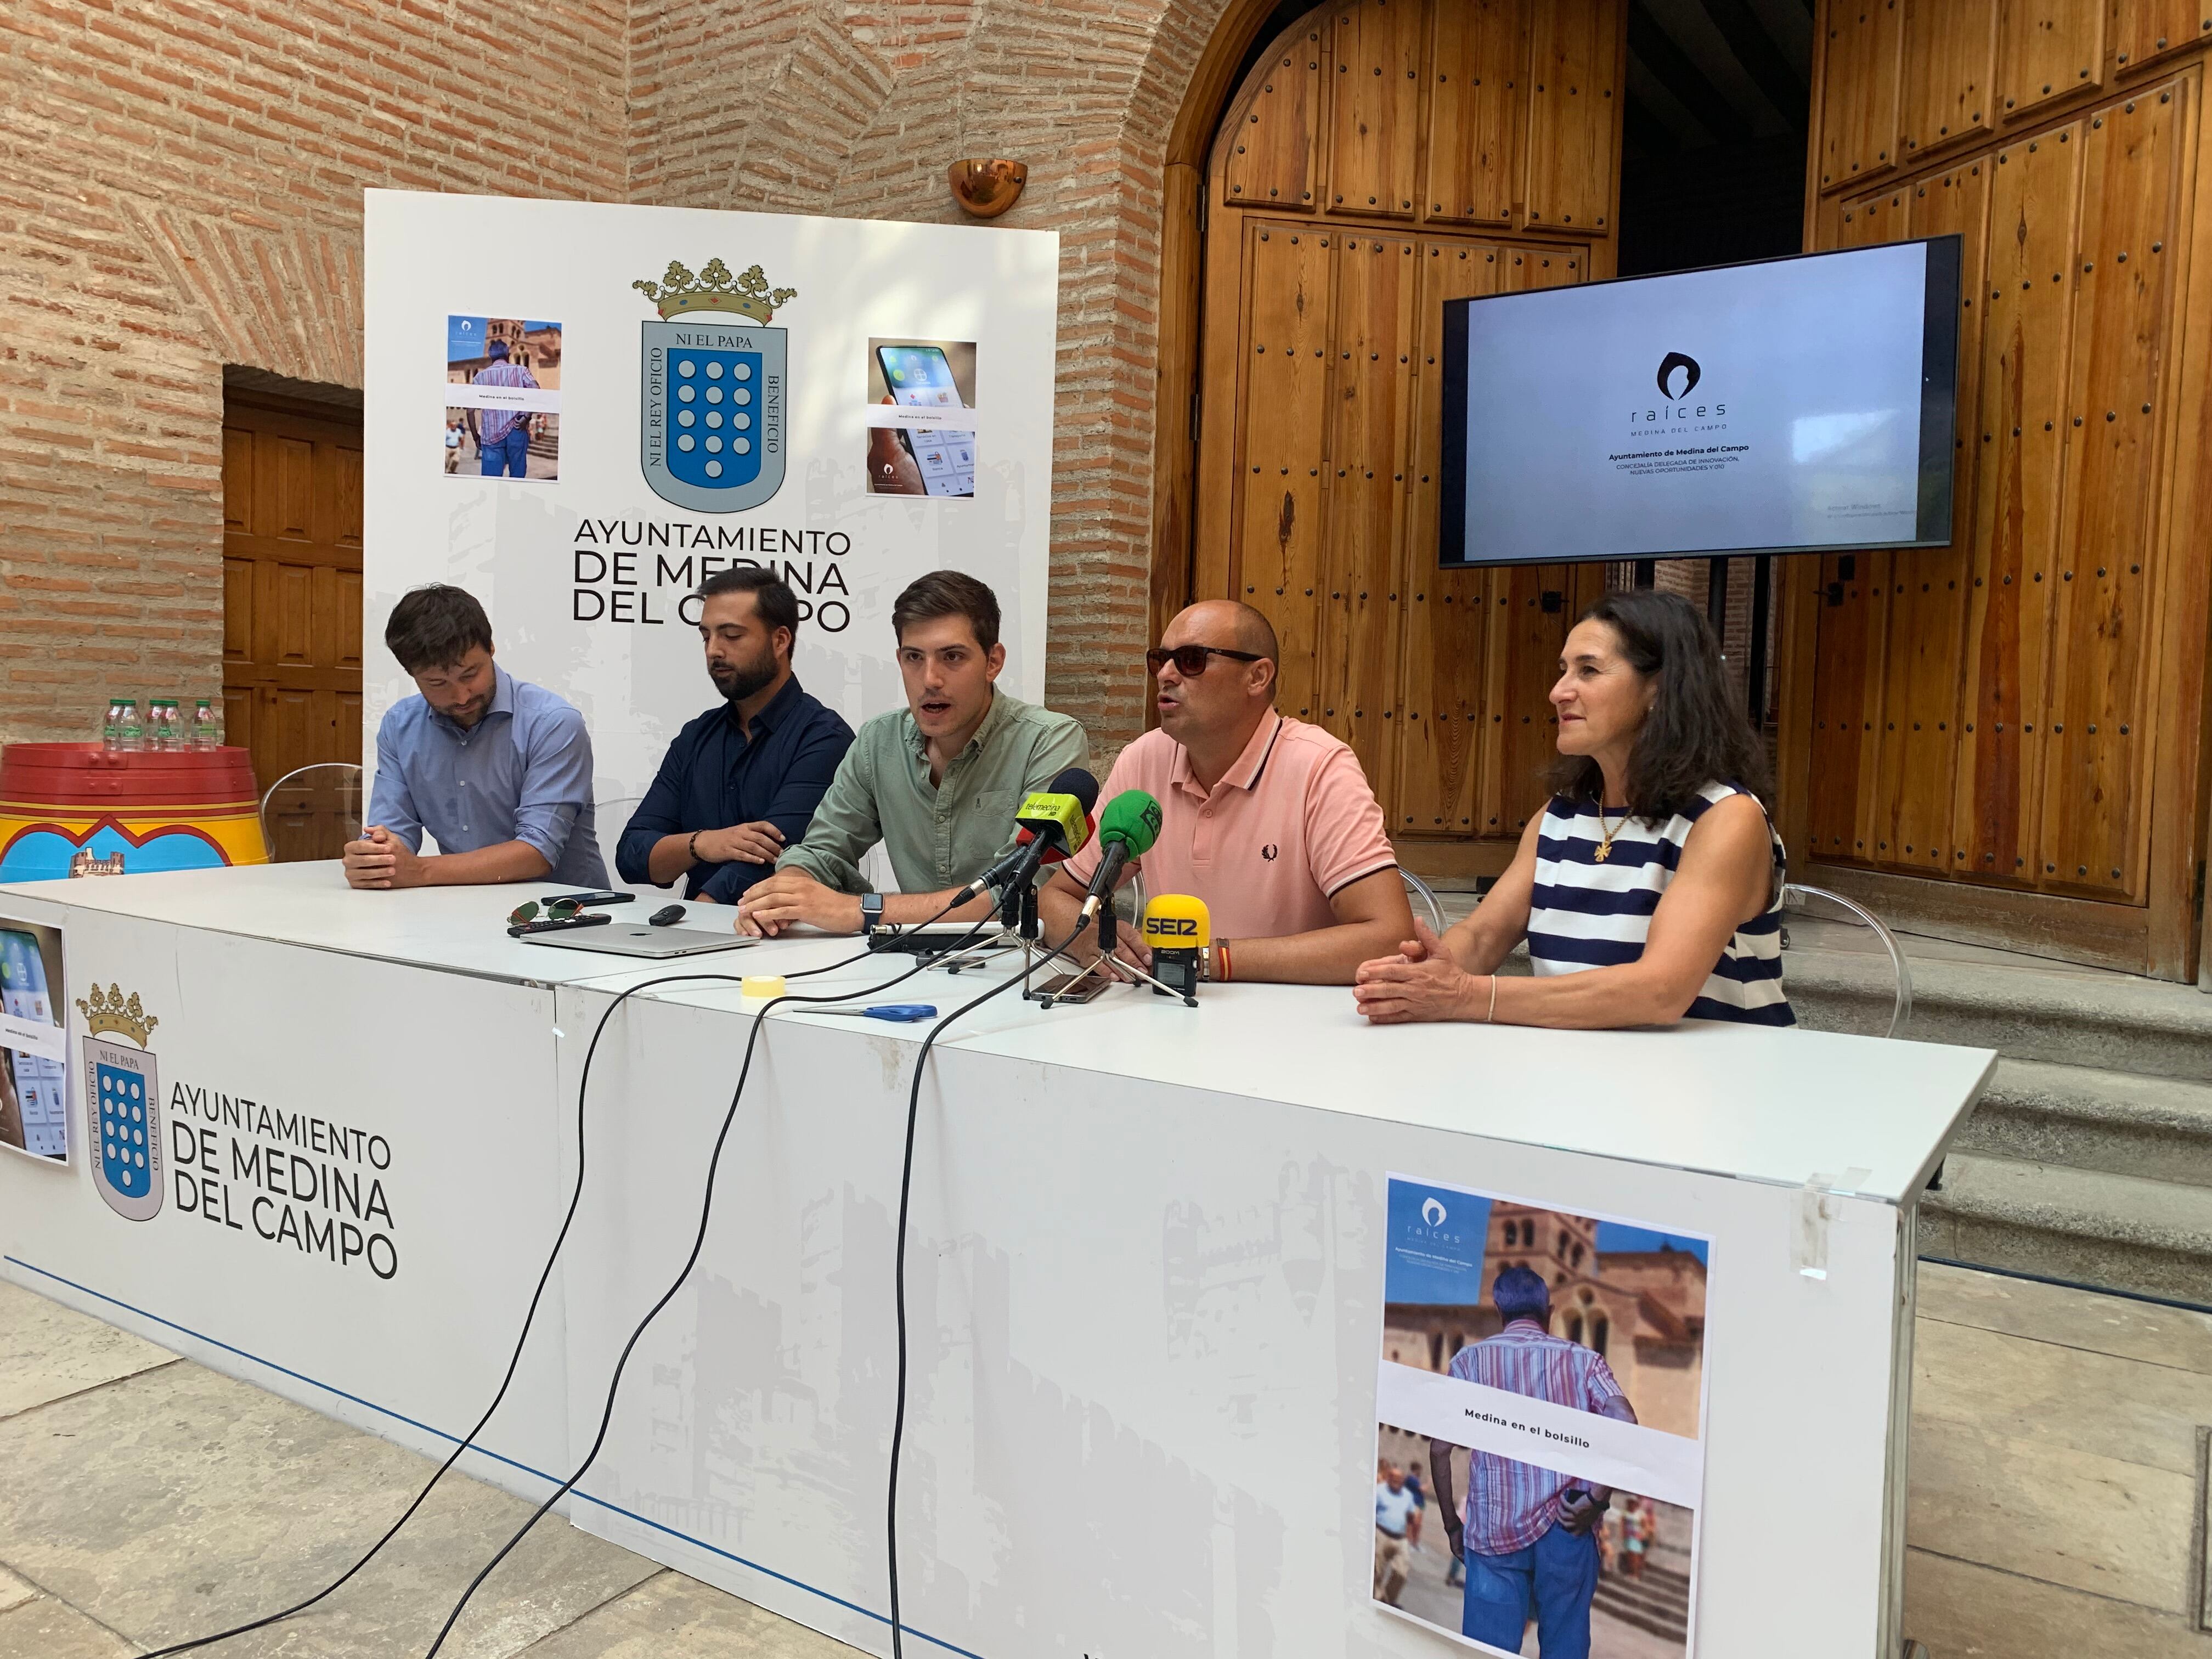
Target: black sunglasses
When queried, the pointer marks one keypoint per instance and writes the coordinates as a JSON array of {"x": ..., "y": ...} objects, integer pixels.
[
  {"x": 559, "y": 910},
  {"x": 1190, "y": 659}
]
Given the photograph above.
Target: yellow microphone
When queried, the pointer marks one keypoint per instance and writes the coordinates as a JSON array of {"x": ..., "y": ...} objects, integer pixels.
[
  {"x": 1178, "y": 932},
  {"x": 1057, "y": 818}
]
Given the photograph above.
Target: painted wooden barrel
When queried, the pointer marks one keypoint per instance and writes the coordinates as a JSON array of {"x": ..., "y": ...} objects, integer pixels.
[{"x": 74, "y": 809}]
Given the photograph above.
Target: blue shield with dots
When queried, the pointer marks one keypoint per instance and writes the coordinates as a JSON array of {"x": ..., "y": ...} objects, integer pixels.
[
  {"x": 711, "y": 421},
  {"x": 123, "y": 1128}
]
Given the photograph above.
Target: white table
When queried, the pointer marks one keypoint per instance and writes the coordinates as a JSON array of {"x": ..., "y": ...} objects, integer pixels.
[
  {"x": 411, "y": 1017},
  {"x": 1144, "y": 1268}
]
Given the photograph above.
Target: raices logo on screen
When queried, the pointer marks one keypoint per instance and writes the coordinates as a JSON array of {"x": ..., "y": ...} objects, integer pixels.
[
  {"x": 1677, "y": 378},
  {"x": 1669, "y": 365},
  {"x": 123, "y": 1103},
  {"x": 713, "y": 377},
  {"x": 1433, "y": 1213}
]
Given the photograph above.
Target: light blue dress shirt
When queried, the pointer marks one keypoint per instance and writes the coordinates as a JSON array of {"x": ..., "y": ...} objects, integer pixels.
[{"x": 522, "y": 773}]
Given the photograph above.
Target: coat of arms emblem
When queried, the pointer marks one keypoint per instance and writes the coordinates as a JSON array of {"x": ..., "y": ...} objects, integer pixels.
[
  {"x": 122, "y": 1104},
  {"x": 713, "y": 376}
]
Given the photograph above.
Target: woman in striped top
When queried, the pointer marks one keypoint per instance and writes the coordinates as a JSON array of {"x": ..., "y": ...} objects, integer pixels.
[{"x": 1650, "y": 889}]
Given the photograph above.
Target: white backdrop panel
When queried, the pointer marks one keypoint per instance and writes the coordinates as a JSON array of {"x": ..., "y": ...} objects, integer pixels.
[{"x": 524, "y": 546}]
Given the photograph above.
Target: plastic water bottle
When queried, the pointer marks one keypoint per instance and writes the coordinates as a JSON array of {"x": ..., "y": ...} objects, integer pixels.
[
  {"x": 161, "y": 724},
  {"x": 131, "y": 732},
  {"x": 206, "y": 734},
  {"x": 111, "y": 729}
]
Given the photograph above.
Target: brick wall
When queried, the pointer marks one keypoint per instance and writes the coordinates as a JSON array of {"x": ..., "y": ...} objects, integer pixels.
[
  {"x": 180, "y": 188},
  {"x": 858, "y": 108}
]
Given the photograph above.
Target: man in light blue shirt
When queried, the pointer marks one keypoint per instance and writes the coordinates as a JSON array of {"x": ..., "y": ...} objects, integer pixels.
[{"x": 498, "y": 770}]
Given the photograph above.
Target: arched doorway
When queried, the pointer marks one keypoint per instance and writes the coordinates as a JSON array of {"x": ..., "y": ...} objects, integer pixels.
[
  {"x": 2000, "y": 743},
  {"x": 1380, "y": 157}
]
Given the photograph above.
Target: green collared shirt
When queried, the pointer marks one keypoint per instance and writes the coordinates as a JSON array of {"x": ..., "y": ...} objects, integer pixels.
[{"x": 938, "y": 836}]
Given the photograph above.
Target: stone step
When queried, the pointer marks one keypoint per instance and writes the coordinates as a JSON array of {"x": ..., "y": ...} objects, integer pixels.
[
  {"x": 1619, "y": 1597},
  {"x": 1654, "y": 1595},
  {"x": 2089, "y": 1226},
  {"x": 2068, "y": 1017},
  {"x": 2154, "y": 1129}
]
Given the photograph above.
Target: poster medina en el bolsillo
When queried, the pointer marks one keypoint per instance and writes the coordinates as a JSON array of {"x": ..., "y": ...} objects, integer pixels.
[{"x": 1539, "y": 1404}]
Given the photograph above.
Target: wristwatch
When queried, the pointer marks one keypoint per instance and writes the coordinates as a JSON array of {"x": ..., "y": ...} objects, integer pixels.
[{"x": 871, "y": 911}]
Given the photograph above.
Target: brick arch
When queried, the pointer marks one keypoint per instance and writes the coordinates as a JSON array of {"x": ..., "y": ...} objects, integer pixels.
[
  {"x": 188, "y": 194},
  {"x": 284, "y": 298},
  {"x": 856, "y": 110},
  {"x": 201, "y": 213}
]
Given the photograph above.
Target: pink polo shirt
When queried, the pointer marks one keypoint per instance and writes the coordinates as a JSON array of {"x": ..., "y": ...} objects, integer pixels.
[{"x": 1289, "y": 824}]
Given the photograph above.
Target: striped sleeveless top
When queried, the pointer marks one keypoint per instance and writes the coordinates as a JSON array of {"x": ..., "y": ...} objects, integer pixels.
[{"x": 1586, "y": 913}]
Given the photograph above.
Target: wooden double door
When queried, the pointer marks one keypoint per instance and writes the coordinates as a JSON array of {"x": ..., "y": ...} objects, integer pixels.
[
  {"x": 292, "y": 617},
  {"x": 1385, "y": 156},
  {"x": 2002, "y": 739}
]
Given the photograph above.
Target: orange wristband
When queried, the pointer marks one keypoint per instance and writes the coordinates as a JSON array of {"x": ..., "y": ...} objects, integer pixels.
[{"x": 1221, "y": 960}]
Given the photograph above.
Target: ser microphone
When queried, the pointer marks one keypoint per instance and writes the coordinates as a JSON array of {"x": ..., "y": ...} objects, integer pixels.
[
  {"x": 1179, "y": 932},
  {"x": 1056, "y": 824},
  {"x": 1126, "y": 830}
]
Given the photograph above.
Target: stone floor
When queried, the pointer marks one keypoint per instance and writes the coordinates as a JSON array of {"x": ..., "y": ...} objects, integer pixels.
[
  {"x": 2056, "y": 1500},
  {"x": 2057, "y": 1483},
  {"x": 143, "y": 1499}
]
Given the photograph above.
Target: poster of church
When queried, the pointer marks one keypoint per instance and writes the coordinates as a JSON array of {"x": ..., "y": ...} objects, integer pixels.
[{"x": 1539, "y": 1403}]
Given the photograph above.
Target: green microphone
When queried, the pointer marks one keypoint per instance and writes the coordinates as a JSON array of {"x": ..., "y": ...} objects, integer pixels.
[{"x": 1126, "y": 830}]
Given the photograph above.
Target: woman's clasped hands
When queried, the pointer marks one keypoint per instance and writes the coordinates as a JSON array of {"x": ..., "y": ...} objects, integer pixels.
[{"x": 1422, "y": 982}]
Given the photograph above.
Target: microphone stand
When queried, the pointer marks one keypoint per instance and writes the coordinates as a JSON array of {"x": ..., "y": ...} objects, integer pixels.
[
  {"x": 1017, "y": 917},
  {"x": 1106, "y": 924},
  {"x": 1018, "y": 927}
]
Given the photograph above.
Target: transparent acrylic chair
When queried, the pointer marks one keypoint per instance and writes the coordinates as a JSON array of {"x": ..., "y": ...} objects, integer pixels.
[
  {"x": 1422, "y": 898},
  {"x": 1794, "y": 893},
  {"x": 312, "y": 813}
]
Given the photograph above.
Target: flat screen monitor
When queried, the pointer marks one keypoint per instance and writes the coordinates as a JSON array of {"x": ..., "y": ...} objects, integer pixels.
[{"x": 1793, "y": 405}]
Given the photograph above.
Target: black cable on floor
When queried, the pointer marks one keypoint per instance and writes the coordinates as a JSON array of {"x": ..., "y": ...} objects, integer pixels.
[
  {"x": 906, "y": 1190},
  {"x": 698, "y": 1244},
  {"x": 530, "y": 1317}
]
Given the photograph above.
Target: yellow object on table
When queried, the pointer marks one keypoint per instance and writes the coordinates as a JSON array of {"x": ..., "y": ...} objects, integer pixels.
[{"x": 761, "y": 987}]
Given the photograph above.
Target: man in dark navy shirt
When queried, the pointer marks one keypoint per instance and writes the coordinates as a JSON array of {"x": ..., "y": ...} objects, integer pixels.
[{"x": 744, "y": 778}]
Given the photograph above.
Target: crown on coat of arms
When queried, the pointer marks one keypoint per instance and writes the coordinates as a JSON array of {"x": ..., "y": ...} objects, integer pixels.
[
  {"x": 108, "y": 1012},
  {"x": 715, "y": 289}
]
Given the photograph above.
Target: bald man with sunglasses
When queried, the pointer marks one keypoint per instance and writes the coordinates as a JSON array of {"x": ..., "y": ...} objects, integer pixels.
[{"x": 1268, "y": 819}]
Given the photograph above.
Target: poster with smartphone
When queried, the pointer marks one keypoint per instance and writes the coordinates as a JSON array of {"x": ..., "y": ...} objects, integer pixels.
[
  {"x": 918, "y": 389},
  {"x": 34, "y": 1042}
]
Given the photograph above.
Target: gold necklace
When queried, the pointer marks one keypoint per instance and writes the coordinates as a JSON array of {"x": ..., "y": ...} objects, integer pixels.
[{"x": 1605, "y": 839}]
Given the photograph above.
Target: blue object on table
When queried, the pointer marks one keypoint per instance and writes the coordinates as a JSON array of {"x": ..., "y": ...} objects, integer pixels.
[{"x": 903, "y": 1011}]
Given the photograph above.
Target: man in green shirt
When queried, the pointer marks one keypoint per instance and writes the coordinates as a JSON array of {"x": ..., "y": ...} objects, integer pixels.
[{"x": 936, "y": 783}]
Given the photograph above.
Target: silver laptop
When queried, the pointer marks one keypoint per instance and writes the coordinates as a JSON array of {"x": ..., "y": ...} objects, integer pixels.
[{"x": 655, "y": 944}]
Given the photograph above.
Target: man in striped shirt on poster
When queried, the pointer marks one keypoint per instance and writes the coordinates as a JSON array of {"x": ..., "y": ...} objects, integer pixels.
[
  {"x": 502, "y": 434},
  {"x": 1528, "y": 1536}
]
